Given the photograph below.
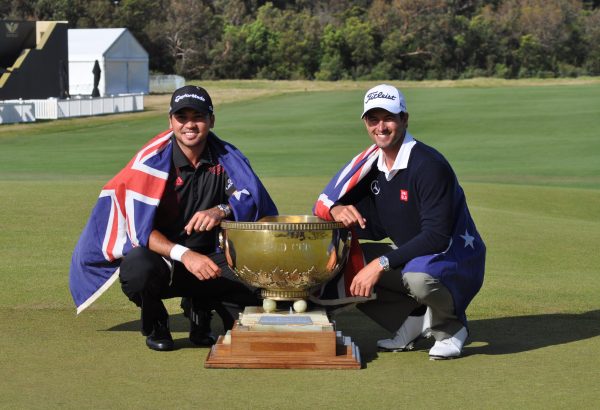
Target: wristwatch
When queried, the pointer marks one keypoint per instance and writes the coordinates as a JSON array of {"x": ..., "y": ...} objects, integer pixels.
[
  {"x": 384, "y": 263},
  {"x": 225, "y": 208}
]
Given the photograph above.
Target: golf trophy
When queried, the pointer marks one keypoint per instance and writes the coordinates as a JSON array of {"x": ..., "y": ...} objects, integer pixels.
[{"x": 287, "y": 257}]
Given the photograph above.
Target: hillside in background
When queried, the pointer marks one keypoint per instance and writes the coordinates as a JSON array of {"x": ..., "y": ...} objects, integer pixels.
[{"x": 334, "y": 39}]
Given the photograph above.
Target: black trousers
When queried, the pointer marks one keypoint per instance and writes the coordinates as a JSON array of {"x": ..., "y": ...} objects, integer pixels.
[{"x": 146, "y": 280}]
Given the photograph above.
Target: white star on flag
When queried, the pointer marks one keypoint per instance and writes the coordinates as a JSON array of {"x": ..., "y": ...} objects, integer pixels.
[
  {"x": 468, "y": 239},
  {"x": 238, "y": 194}
]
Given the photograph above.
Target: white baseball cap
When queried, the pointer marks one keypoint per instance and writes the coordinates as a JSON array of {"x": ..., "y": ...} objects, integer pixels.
[{"x": 384, "y": 96}]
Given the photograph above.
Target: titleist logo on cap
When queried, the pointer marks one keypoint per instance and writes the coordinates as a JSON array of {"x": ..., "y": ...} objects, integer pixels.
[
  {"x": 182, "y": 96},
  {"x": 379, "y": 94},
  {"x": 386, "y": 97}
]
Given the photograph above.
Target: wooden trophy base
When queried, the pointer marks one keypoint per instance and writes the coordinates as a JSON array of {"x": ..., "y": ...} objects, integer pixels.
[{"x": 283, "y": 341}]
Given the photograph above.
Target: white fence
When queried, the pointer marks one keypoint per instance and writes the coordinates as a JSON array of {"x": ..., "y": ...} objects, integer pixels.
[{"x": 51, "y": 109}]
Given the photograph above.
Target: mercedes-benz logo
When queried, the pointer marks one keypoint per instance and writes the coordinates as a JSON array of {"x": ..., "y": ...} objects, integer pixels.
[{"x": 375, "y": 187}]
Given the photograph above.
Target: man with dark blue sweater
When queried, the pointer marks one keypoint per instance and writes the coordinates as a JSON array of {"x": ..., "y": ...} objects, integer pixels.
[{"x": 406, "y": 191}]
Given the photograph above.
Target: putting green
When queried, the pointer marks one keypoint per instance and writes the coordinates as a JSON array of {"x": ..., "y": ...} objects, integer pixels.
[{"x": 526, "y": 156}]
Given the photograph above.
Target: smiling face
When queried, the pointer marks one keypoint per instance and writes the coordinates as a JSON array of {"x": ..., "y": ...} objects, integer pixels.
[
  {"x": 191, "y": 128},
  {"x": 386, "y": 129}
]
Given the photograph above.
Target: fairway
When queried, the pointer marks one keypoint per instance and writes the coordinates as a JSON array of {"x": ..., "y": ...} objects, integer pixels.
[{"x": 527, "y": 155}]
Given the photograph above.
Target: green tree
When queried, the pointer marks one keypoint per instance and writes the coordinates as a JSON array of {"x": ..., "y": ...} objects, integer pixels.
[
  {"x": 359, "y": 47},
  {"x": 62, "y": 10},
  {"x": 538, "y": 35},
  {"x": 260, "y": 42},
  {"x": 294, "y": 47},
  {"x": 278, "y": 44},
  {"x": 349, "y": 47},
  {"x": 483, "y": 52},
  {"x": 345, "y": 39},
  {"x": 229, "y": 57},
  {"x": 18, "y": 10},
  {"x": 191, "y": 29},
  {"x": 332, "y": 65},
  {"x": 591, "y": 35},
  {"x": 419, "y": 37}
]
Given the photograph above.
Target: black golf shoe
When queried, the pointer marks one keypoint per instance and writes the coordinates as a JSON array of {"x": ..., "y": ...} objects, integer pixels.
[{"x": 160, "y": 338}]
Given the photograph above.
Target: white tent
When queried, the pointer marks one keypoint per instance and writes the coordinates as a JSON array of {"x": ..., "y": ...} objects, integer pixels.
[{"x": 123, "y": 62}]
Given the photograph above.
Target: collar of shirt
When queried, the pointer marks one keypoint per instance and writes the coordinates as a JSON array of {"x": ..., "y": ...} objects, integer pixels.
[
  {"x": 180, "y": 160},
  {"x": 401, "y": 161}
]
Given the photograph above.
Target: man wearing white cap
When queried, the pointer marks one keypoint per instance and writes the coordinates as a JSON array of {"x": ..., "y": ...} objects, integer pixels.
[{"x": 404, "y": 190}]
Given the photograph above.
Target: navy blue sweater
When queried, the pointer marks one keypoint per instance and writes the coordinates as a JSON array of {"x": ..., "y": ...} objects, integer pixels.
[{"x": 416, "y": 209}]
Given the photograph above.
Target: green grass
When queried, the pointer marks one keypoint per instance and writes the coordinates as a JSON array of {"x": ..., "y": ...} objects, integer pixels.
[{"x": 528, "y": 160}]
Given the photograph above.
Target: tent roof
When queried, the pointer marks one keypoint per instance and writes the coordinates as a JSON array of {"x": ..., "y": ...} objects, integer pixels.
[{"x": 88, "y": 44}]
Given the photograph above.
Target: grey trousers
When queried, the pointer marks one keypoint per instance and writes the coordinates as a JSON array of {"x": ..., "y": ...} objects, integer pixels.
[{"x": 400, "y": 294}]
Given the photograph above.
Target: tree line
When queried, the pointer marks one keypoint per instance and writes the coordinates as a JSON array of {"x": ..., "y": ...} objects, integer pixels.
[{"x": 350, "y": 39}]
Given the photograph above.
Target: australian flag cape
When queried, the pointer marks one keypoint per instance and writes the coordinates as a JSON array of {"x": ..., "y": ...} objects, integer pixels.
[
  {"x": 124, "y": 214},
  {"x": 460, "y": 267}
]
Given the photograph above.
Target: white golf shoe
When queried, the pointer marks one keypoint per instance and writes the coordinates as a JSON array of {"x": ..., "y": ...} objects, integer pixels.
[
  {"x": 449, "y": 348},
  {"x": 405, "y": 337}
]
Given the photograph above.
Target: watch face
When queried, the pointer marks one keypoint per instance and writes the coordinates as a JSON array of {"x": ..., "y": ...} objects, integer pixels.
[
  {"x": 384, "y": 263},
  {"x": 224, "y": 208}
]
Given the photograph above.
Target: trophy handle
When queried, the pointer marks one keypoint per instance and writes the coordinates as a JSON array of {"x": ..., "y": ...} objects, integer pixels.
[
  {"x": 346, "y": 249},
  {"x": 224, "y": 245},
  {"x": 340, "y": 251}
]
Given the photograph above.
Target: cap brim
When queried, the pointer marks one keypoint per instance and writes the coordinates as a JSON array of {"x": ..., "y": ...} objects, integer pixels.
[
  {"x": 382, "y": 108},
  {"x": 193, "y": 107}
]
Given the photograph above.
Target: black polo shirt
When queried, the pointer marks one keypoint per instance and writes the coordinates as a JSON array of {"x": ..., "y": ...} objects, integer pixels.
[{"x": 188, "y": 191}]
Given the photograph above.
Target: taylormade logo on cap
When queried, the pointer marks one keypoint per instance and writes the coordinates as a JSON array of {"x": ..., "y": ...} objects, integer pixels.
[
  {"x": 192, "y": 97},
  {"x": 386, "y": 97},
  {"x": 179, "y": 97}
]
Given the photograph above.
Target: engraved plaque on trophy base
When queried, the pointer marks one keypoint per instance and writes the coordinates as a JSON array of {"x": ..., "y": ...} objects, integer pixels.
[{"x": 261, "y": 340}]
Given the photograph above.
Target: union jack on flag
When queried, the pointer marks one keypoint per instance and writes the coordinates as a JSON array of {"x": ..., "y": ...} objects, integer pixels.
[
  {"x": 345, "y": 180},
  {"x": 123, "y": 217},
  {"x": 337, "y": 291}
]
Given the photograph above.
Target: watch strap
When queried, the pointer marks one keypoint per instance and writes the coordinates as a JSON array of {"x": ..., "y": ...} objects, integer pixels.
[
  {"x": 384, "y": 263},
  {"x": 225, "y": 208}
]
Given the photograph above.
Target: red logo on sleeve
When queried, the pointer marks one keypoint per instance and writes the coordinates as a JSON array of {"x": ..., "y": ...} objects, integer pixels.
[
  {"x": 216, "y": 170},
  {"x": 404, "y": 195}
]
